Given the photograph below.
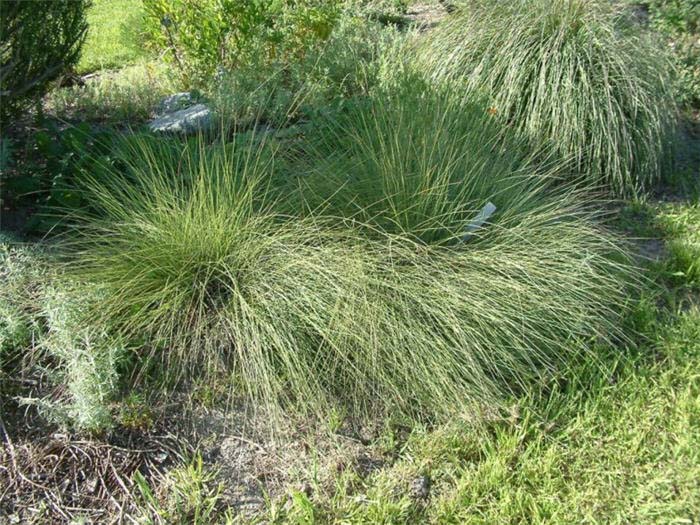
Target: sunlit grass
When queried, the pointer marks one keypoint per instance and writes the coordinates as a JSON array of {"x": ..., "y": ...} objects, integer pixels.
[
  {"x": 114, "y": 35},
  {"x": 578, "y": 77},
  {"x": 316, "y": 313}
]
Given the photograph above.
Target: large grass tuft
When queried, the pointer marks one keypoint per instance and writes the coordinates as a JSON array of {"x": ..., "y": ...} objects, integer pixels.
[
  {"x": 577, "y": 76},
  {"x": 419, "y": 161},
  {"x": 197, "y": 264}
]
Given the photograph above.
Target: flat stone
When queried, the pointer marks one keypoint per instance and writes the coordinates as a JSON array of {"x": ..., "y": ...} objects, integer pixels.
[{"x": 190, "y": 120}]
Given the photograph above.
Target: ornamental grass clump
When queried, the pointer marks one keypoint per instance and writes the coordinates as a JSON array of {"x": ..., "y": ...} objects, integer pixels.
[
  {"x": 204, "y": 271},
  {"x": 419, "y": 161},
  {"x": 580, "y": 77}
]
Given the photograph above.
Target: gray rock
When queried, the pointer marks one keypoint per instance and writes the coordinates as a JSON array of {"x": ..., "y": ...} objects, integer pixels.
[
  {"x": 190, "y": 120},
  {"x": 420, "y": 487},
  {"x": 175, "y": 102}
]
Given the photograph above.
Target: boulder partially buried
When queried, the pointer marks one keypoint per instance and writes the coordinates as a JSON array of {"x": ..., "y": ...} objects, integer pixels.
[{"x": 179, "y": 114}]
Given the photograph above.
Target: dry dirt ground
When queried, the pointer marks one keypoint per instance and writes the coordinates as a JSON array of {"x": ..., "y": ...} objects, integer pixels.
[
  {"x": 50, "y": 477},
  {"x": 426, "y": 15}
]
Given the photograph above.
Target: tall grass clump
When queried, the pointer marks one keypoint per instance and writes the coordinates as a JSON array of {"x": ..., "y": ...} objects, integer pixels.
[
  {"x": 578, "y": 76},
  {"x": 204, "y": 271},
  {"x": 419, "y": 161}
]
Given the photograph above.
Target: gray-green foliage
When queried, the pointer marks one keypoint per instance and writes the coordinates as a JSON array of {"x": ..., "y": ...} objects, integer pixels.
[
  {"x": 45, "y": 329},
  {"x": 86, "y": 359},
  {"x": 348, "y": 64},
  {"x": 578, "y": 76},
  {"x": 18, "y": 274},
  {"x": 14, "y": 331}
]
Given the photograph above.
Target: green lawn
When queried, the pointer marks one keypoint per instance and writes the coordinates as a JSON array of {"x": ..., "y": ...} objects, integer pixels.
[{"x": 113, "y": 35}]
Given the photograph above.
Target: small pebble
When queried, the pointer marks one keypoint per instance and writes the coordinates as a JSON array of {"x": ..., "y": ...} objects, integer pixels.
[{"x": 420, "y": 487}]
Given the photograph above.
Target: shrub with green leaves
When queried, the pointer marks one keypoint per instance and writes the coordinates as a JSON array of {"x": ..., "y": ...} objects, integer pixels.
[
  {"x": 207, "y": 36},
  {"x": 201, "y": 263},
  {"x": 679, "y": 22},
  {"x": 349, "y": 64},
  {"x": 39, "y": 41},
  {"x": 578, "y": 76}
]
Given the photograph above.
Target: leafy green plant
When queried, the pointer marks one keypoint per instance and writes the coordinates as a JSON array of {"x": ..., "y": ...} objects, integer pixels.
[
  {"x": 6, "y": 152},
  {"x": 207, "y": 36},
  {"x": 135, "y": 412},
  {"x": 38, "y": 43},
  {"x": 576, "y": 76},
  {"x": 679, "y": 22},
  {"x": 14, "y": 329},
  {"x": 47, "y": 181}
]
